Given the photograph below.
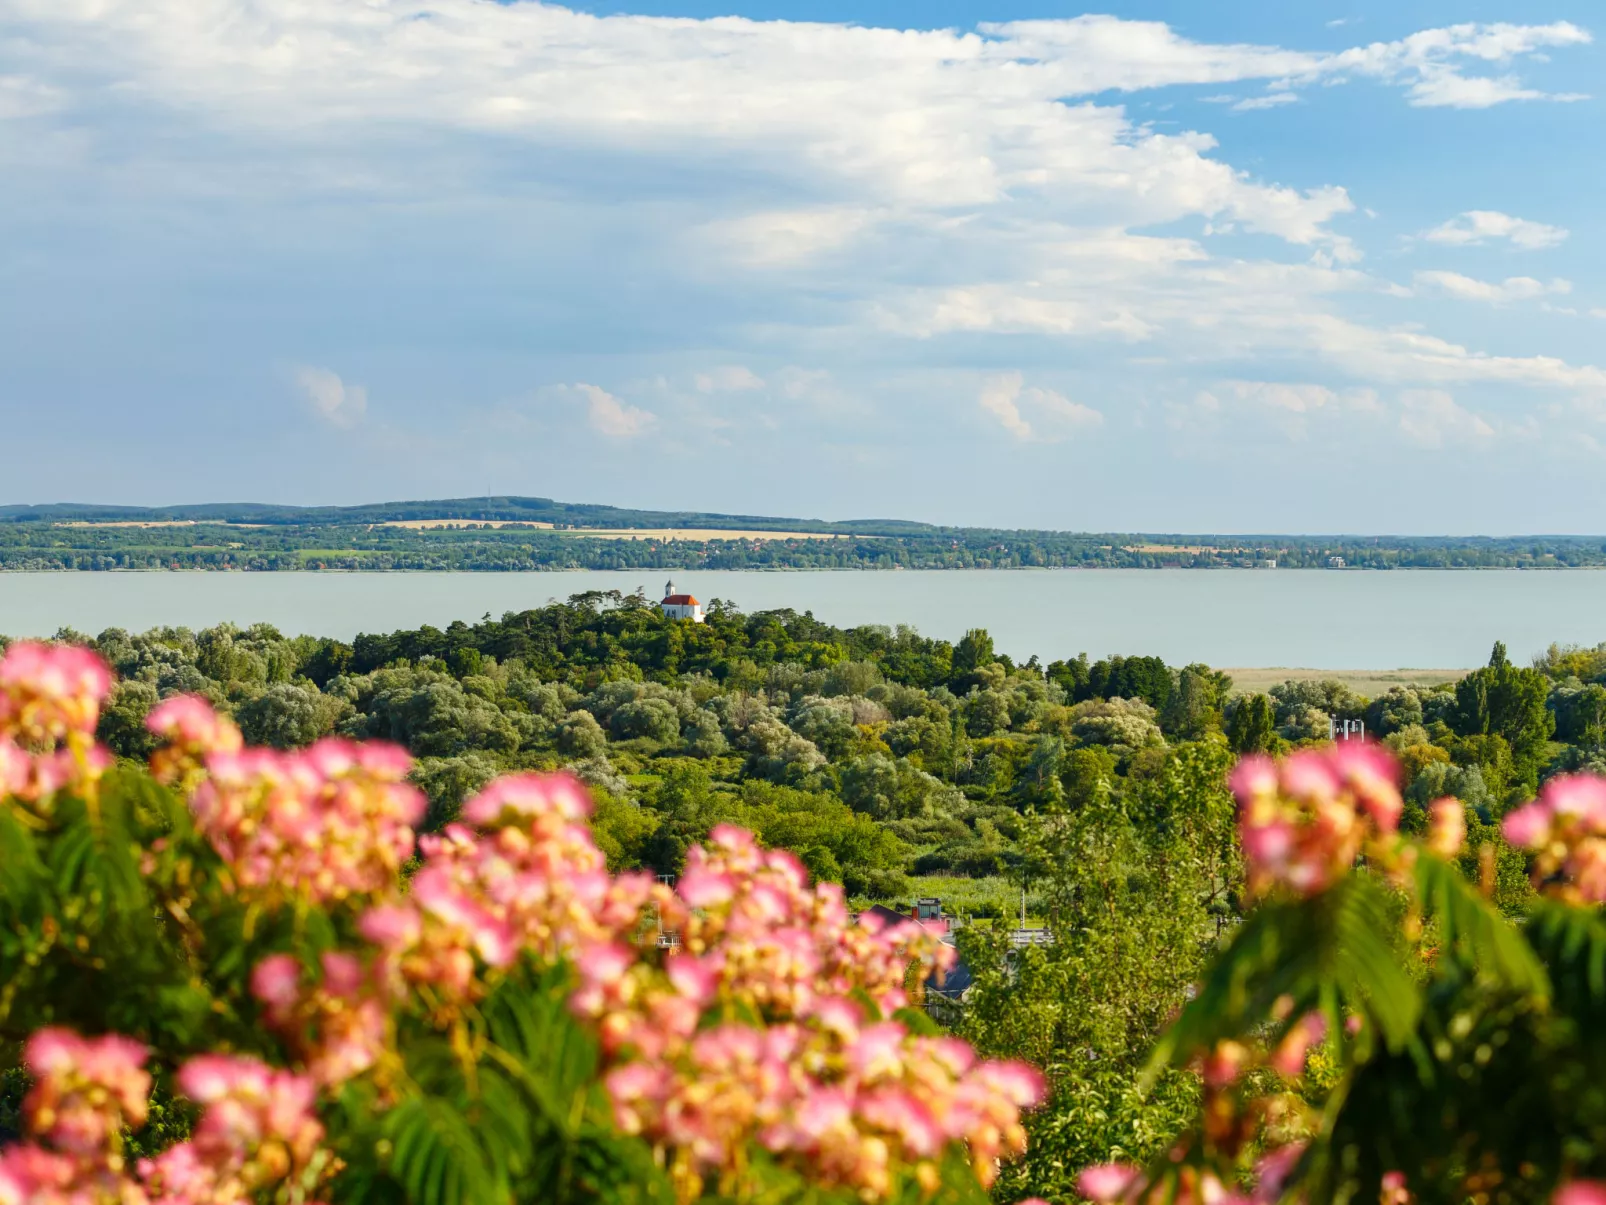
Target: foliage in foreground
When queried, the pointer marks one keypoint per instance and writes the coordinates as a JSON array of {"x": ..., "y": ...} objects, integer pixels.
[
  {"x": 1378, "y": 1031},
  {"x": 493, "y": 1018}
]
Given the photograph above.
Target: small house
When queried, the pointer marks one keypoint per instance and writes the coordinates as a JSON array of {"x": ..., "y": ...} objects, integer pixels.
[{"x": 680, "y": 606}]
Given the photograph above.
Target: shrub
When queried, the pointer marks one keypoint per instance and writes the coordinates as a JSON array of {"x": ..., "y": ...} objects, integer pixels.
[{"x": 500, "y": 1024}]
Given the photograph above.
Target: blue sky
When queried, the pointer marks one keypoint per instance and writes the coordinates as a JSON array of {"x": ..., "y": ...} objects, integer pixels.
[{"x": 1164, "y": 267}]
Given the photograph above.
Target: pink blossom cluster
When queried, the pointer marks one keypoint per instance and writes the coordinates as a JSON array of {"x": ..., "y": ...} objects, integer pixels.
[
  {"x": 754, "y": 1032},
  {"x": 257, "y": 1128},
  {"x": 340, "y": 1027},
  {"x": 50, "y": 697},
  {"x": 85, "y": 1089},
  {"x": 1303, "y": 821},
  {"x": 327, "y": 822},
  {"x": 519, "y": 875},
  {"x": 1580, "y": 1192},
  {"x": 192, "y": 731},
  {"x": 1126, "y": 1183},
  {"x": 1566, "y": 828}
]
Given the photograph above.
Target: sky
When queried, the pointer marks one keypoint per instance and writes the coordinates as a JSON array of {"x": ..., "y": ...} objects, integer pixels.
[{"x": 1170, "y": 267}]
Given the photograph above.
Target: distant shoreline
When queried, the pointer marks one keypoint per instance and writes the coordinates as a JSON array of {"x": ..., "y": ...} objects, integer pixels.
[{"x": 155, "y": 570}]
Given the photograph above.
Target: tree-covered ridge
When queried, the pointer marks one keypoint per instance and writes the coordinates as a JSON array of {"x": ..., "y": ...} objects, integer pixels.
[
  {"x": 261, "y": 537},
  {"x": 894, "y": 763},
  {"x": 905, "y": 767}
]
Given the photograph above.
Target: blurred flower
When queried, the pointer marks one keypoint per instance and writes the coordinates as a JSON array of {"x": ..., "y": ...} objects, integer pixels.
[
  {"x": 50, "y": 691},
  {"x": 1566, "y": 828},
  {"x": 1288, "y": 1060},
  {"x": 1447, "y": 827},
  {"x": 1108, "y": 1182},
  {"x": 1303, "y": 821},
  {"x": 192, "y": 730},
  {"x": 327, "y": 822},
  {"x": 1580, "y": 1192},
  {"x": 85, "y": 1089},
  {"x": 858, "y": 1103}
]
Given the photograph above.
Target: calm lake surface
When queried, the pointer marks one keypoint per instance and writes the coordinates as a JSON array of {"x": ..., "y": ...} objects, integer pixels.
[{"x": 1314, "y": 618}]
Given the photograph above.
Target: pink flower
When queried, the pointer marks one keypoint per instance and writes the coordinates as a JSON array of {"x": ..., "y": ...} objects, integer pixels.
[
  {"x": 1288, "y": 1059},
  {"x": 48, "y": 692},
  {"x": 1447, "y": 827},
  {"x": 517, "y": 797},
  {"x": 693, "y": 977},
  {"x": 1581, "y": 795},
  {"x": 1253, "y": 777},
  {"x": 1580, "y": 1192},
  {"x": 276, "y": 981},
  {"x": 702, "y": 888},
  {"x": 1303, "y": 821},
  {"x": 393, "y": 926},
  {"x": 1273, "y": 1170},
  {"x": 191, "y": 720},
  {"x": 14, "y": 768},
  {"x": 31, "y": 1175},
  {"x": 85, "y": 1089},
  {"x": 1019, "y": 1083},
  {"x": 1372, "y": 775},
  {"x": 1566, "y": 827},
  {"x": 1528, "y": 826},
  {"x": 329, "y": 822},
  {"x": 1108, "y": 1182},
  {"x": 1224, "y": 1064}
]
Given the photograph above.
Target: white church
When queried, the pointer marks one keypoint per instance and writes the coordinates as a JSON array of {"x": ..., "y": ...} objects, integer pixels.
[{"x": 680, "y": 606}]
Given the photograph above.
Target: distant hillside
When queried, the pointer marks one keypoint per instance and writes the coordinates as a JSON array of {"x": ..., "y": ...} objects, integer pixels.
[
  {"x": 512, "y": 534},
  {"x": 526, "y": 510}
]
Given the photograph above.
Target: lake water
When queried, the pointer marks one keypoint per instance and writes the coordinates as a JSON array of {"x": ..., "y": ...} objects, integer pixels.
[{"x": 1313, "y": 618}]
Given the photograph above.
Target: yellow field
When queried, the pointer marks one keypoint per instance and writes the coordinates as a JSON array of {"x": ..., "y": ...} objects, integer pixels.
[
  {"x": 1368, "y": 682},
  {"x": 699, "y": 534},
  {"x": 692, "y": 533},
  {"x": 429, "y": 524}
]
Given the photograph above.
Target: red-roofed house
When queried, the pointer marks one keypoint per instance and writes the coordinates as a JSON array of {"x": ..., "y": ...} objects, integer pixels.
[{"x": 681, "y": 606}]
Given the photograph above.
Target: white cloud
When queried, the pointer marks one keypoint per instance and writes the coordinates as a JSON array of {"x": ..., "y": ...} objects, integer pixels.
[
  {"x": 1269, "y": 101},
  {"x": 1430, "y": 63},
  {"x": 781, "y": 238},
  {"x": 887, "y": 119},
  {"x": 732, "y": 378},
  {"x": 998, "y": 398},
  {"x": 612, "y": 417},
  {"x": 1431, "y": 418},
  {"x": 332, "y": 400},
  {"x": 1298, "y": 399},
  {"x": 24, "y": 97},
  {"x": 1513, "y": 288},
  {"x": 1004, "y": 395},
  {"x": 852, "y": 184},
  {"x": 1481, "y": 225}
]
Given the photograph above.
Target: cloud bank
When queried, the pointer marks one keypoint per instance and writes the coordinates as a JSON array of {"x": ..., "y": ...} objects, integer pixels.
[{"x": 831, "y": 237}]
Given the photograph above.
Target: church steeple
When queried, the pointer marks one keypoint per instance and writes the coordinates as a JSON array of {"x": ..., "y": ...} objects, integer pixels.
[{"x": 669, "y": 587}]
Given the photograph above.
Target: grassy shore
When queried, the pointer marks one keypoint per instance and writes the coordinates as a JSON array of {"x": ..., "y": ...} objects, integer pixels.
[{"x": 1369, "y": 682}]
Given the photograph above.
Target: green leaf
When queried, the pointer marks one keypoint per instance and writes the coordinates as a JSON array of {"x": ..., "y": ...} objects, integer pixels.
[
  {"x": 1572, "y": 944},
  {"x": 435, "y": 1156},
  {"x": 1474, "y": 931},
  {"x": 1330, "y": 952}
]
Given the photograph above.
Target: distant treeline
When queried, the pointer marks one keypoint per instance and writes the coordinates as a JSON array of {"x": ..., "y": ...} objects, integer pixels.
[{"x": 257, "y": 537}]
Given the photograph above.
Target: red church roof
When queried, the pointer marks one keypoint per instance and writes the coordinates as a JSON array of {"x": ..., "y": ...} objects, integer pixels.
[{"x": 680, "y": 600}]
